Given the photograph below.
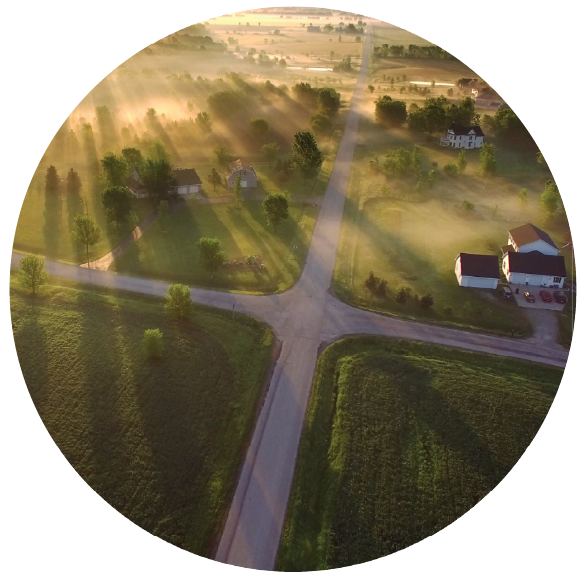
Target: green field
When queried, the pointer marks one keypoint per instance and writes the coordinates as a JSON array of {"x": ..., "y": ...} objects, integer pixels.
[
  {"x": 400, "y": 440},
  {"x": 174, "y": 255},
  {"x": 161, "y": 441}
]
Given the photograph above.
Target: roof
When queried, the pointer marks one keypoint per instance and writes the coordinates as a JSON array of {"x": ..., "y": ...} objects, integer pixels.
[
  {"x": 479, "y": 265},
  {"x": 507, "y": 248},
  {"x": 461, "y": 130},
  {"x": 238, "y": 166},
  {"x": 528, "y": 234},
  {"x": 134, "y": 184},
  {"x": 186, "y": 177},
  {"x": 537, "y": 263},
  {"x": 489, "y": 94}
]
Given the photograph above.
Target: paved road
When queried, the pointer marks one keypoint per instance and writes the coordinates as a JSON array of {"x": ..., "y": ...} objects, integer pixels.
[{"x": 302, "y": 317}]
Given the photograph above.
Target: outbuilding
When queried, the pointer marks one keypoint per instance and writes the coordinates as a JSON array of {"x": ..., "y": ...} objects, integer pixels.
[
  {"x": 249, "y": 179},
  {"x": 186, "y": 181},
  {"x": 530, "y": 238},
  {"x": 477, "y": 271},
  {"x": 534, "y": 269}
]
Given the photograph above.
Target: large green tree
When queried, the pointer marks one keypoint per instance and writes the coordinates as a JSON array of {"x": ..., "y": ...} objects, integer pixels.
[
  {"x": 211, "y": 254},
  {"x": 73, "y": 182},
  {"x": 117, "y": 202},
  {"x": 32, "y": 272},
  {"x": 550, "y": 199},
  {"x": 275, "y": 206},
  {"x": 86, "y": 232},
  {"x": 214, "y": 178},
  {"x": 389, "y": 112},
  {"x": 488, "y": 159},
  {"x": 271, "y": 152},
  {"x": 115, "y": 169},
  {"x": 157, "y": 177},
  {"x": 306, "y": 156},
  {"x": 203, "y": 122},
  {"x": 52, "y": 181},
  {"x": 259, "y": 129},
  {"x": 133, "y": 157},
  {"x": 224, "y": 158}
]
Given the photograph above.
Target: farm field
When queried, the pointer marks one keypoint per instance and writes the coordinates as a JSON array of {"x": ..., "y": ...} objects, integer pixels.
[
  {"x": 161, "y": 441},
  {"x": 411, "y": 237},
  {"x": 174, "y": 255},
  {"x": 401, "y": 439}
]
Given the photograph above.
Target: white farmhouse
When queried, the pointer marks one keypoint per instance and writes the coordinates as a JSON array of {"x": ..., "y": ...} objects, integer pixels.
[
  {"x": 460, "y": 137},
  {"x": 477, "y": 271},
  {"x": 530, "y": 238}
]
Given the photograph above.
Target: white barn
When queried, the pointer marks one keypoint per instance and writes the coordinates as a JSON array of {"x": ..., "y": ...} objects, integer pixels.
[
  {"x": 459, "y": 137},
  {"x": 534, "y": 269},
  {"x": 530, "y": 238},
  {"x": 477, "y": 271}
]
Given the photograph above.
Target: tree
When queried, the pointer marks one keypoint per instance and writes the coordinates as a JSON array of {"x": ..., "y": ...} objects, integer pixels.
[
  {"x": 321, "y": 123},
  {"x": 157, "y": 177},
  {"x": 488, "y": 159},
  {"x": 389, "y": 112},
  {"x": 73, "y": 182},
  {"x": 431, "y": 177},
  {"x": 550, "y": 198},
  {"x": 328, "y": 101},
  {"x": 275, "y": 206},
  {"x": 523, "y": 195},
  {"x": 32, "y": 273},
  {"x": 117, "y": 202},
  {"x": 461, "y": 163},
  {"x": 468, "y": 206},
  {"x": 223, "y": 156},
  {"x": 158, "y": 152},
  {"x": 214, "y": 178},
  {"x": 152, "y": 341},
  {"x": 541, "y": 160},
  {"x": 86, "y": 232},
  {"x": 237, "y": 194},
  {"x": 115, "y": 169},
  {"x": 211, "y": 254},
  {"x": 133, "y": 157},
  {"x": 259, "y": 129},
  {"x": 451, "y": 169},
  {"x": 398, "y": 161},
  {"x": 178, "y": 301},
  {"x": 163, "y": 218},
  {"x": 371, "y": 88},
  {"x": 271, "y": 152},
  {"x": 52, "y": 181},
  {"x": 306, "y": 156},
  {"x": 203, "y": 122}
]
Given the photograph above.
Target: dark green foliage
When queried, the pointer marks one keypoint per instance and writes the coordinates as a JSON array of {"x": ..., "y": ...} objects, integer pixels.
[
  {"x": 133, "y": 157},
  {"x": 541, "y": 160},
  {"x": 86, "y": 232},
  {"x": 259, "y": 129},
  {"x": 73, "y": 182},
  {"x": 328, "y": 101},
  {"x": 148, "y": 436},
  {"x": 157, "y": 177},
  {"x": 461, "y": 162},
  {"x": 412, "y": 51},
  {"x": 451, "y": 169},
  {"x": 224, "y": 158},
  {"x": 550, "y": 198},
  {"x": 52, "y": 181},
  {"x": 211, "y": 254},
  {"x": 153, "y": 344},
  {"x": 32, "y": 272},
  {"x": 321, "y": 124},
  {"x": 214, "y": 178},
  {"x": 115, "y": 170},
  {"x": 306, "y": 155},
  {"x": 488, "y": 159},
  {"x": 345, "y": 65},
  {"x": 507, "y": 126},
  {"x": 275, "y": 206},
  {"x": 117, "y": 202},
  {"x": 271, "y": 152},
  {"x": 401, "y": 439},
  {"x": 437, "y": 114},
  {"x": 398, "y": 162},
  {"x": 427, "y": 301},
  {"x": 178, "y": 301},
  {"x": 389, "y": 112},
  {"x": 203, "y": 122},
  {"x": 468, "y": 206}
]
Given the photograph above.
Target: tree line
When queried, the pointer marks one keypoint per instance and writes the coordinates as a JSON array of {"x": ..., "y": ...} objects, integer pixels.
[{"x": 411, "y": 51}]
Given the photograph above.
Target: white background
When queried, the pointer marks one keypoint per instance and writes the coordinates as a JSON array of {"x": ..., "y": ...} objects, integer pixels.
[{"x": 52, "y": 524}]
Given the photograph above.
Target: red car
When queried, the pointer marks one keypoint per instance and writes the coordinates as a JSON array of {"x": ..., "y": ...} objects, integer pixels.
[
  {"x": 545, "y": 295},
  {"x": 529, "y": 297}
]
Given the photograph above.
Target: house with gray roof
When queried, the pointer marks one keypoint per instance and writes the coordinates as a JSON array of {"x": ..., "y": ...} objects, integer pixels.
[{"x": 249, "y": 179}]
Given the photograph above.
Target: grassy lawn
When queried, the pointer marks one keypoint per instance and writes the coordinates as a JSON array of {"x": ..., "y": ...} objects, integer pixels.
[
  {"x": 160, "y": 441},
  {"x": 45, "y": 224},
  {"x": 401, "y": 439},
  {"x": 411, "y": 238},
  {"x": 174, "y": 255}
]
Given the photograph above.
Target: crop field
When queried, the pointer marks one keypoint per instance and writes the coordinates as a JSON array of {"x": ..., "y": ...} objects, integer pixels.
[
  {"x": 174, "y": 255},
  {"x": 161, "y": 441},
  {"x": 411, "y": 238},
  {"x": 401, "y": 439}
]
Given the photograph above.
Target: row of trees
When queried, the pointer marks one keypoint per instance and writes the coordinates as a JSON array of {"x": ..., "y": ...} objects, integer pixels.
[
  {"x": 411, "y": 51},
  {"x": 378, "y": 287},
  {"x": 326, "y": 103}
]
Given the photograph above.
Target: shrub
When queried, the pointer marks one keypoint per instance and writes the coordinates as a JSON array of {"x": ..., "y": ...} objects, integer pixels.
[
  {"x": 382, "y": 289},
  {"x": 178, "y": 301},
  {"x": 427, "y": 301},
  {"x": 451, "y": 169},
  {"x": 153, "y": 343},
  {"x": 403, "y": 294},
  {"x": 468, "y": 206},
  {"x": 448, "y": 310},
  {"x": 32, "y": 273}
]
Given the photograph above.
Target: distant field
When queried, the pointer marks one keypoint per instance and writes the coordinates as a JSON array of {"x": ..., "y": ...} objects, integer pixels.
[
  {"x": 174, "y": 255},
  {"x": 401, "y": 439},
  {"x": 412, "y": 238},
  {"x": 160, "y": 441}
]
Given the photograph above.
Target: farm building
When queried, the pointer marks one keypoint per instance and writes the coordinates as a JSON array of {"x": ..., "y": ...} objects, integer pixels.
[
  {"x": 487, "y": 99},
  {"x": 465, "y": 83},
  {"x": 534, "y": 269},
  {"x": 247, "y": 174},
  {"x": 461, "y": 137},
  {"x": 530, "y": 238},
  {"x": 477, "y": 271},
  {"x": 186, "y": 181}
]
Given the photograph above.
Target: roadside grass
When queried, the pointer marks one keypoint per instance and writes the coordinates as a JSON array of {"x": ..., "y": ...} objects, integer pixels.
[
  {"x": 45, "y": 225},
  {"x": 411, "y": 238},
  {"x": 567, "y": 319},
  {"x": 401, "y": 439},
  {"x": 161, "y": 440},
  {"x": 174, "y": 255}
]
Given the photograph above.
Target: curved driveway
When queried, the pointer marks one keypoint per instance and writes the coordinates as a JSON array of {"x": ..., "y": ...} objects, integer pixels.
[{"x": 303, "y": 318}]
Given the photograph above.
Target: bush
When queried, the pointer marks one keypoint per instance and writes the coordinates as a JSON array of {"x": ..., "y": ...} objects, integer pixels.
[
  {"x": 382, "y": 289},
  {"x": 427, "y": 301},
  {"x": 153, "y": 343},
  {"x": 451, "y": 169},
  {"x": 178, "y": 301},
  {"x": 468, "y": 206},
  {"x": 448, "y": 310},
  {"x": 403, "y": 294},
  {"x": 32, "y": 273}
]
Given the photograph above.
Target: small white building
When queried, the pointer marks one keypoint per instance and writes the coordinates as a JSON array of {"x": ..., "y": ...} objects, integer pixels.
[
  {"x": 487, "y": 99},
  {"x": 186, "y": 182},
  {"x": 534, "y": 269},
  {"x": 459, "y": 137},
  {"x": 477, "y": 271},
  {"x": 530, "y": 238},
  {"x": 249, "y": 178}
]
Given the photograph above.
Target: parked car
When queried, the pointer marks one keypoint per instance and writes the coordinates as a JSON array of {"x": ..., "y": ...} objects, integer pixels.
[
  {"x": 560, "y": 297},
  {"x": 506, "y": 292},
  {"x": 545, "y": 295},
  {"x": 529, "y": 297}
]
